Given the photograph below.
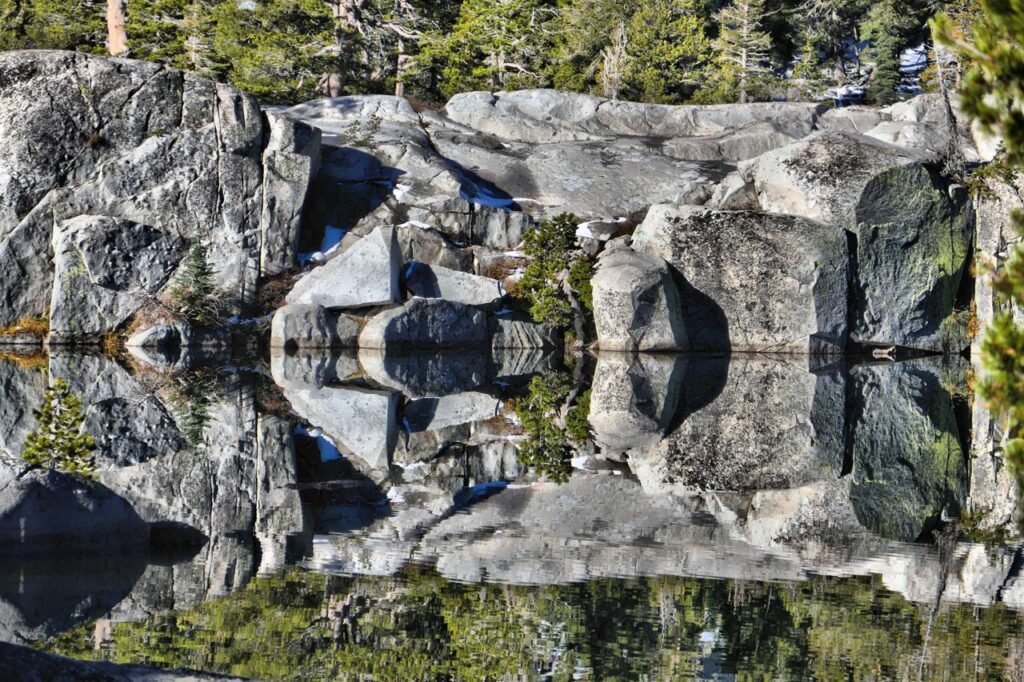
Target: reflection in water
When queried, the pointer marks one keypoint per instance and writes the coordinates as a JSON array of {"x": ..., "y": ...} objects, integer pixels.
[
  {"x": 421, "y": 627},
  {"x": 645, "y": 515}
]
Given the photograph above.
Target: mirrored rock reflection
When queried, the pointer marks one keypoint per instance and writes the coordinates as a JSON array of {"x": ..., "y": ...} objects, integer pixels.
[{"x": 752, "y": 468}]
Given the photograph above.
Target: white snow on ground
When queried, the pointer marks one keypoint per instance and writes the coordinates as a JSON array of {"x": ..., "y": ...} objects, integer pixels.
[
  {"x": 328, "y": 450},
  {"x": 416, "y": 223},
  {"x": 332, "y": 237},
  {"x": 328, "y": 245},
  {"x": 485, "y": 198},
  {"x": 914, "y": 59}
]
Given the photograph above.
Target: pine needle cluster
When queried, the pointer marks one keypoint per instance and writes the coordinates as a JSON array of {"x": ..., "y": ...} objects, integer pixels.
[{"x": 59, "y": 441}]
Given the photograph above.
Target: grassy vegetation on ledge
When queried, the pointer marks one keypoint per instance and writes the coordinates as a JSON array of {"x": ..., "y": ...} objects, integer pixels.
[{"x": 38, "y": 327}]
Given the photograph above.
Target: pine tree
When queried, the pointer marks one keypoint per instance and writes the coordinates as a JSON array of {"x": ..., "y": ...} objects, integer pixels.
[
  {"x": 59, "y": 441},
  {"x": 494, "y": 45},
  {"x": 584, "y": 34},
  {"x": 808, "y": 71},
  {"x": 830, "y": 23},
  {"x": 668, "y": 51},
  {"x": 276, "y": 49},
  {"x": 743, "y": 49},
  {"x": 175, "y": 32},
  {"x": 883, "y": 27},
  {"x": 194, "y": 293},
  {"x": 54, "y": 24}
]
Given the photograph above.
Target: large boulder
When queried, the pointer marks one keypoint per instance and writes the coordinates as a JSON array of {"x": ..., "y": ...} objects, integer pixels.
[
  {"x": 511, "y": 330},
  {"x": 301, "y": 326},
  {"x": 435, "y": 281},
  {"x": 426, "y": 324},
  {"x": 635, "y": 399},
  {"x": 912, "y": 231},
  {"x": 547, "y": 116},
  {"x": 365, "y": 275},
  {"x": 749, "y": 423},
  {"x": 913, "y": 242},
  {"x": 752, "y": 281},
  {"x": 361, "y": 423},
  {"x": 44, "y": 511},
  {"x": 636, "y": 303},
  {"x": 822, "y": 176},
  {"x": 618, "y": 177},
  {"x": 381, "y": 169},
  {"x": 131, "y": 141},
  {"x": 291, "y": 158},
  {"x": 105, "y": 270},
  {"x": 428, "y": 374},
  {"x": 908, "y": 464}
]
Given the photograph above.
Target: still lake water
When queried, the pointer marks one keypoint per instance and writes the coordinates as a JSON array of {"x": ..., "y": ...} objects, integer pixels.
[{"x": 523, "y": 517}]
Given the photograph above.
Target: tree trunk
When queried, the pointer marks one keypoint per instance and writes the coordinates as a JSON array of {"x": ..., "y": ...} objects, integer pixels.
[
  {"x": 402, "y": 66},
  {"x": 117, "y": 36}
]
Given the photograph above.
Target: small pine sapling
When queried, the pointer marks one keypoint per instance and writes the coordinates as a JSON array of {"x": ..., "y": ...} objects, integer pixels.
[{"x": 60, "y": 441}]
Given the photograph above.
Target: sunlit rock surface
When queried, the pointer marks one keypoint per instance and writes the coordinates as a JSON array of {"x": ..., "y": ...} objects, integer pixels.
[
  {"x": 753, "y": 282},
  {"x": 136, "y": 142}
]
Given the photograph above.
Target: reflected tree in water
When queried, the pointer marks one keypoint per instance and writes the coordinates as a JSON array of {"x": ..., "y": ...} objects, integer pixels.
[
  {"x": 554, "y": 414},
  {"x": 60, "y": 441},
  {"x": 419, "y": 626}
]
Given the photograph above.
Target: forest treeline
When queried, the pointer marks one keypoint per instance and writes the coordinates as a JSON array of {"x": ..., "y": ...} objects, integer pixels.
[{"x": 669, "y": 51}]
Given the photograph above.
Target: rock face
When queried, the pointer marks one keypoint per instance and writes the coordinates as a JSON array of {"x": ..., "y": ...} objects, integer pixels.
[
  {"x": 544, "y": 116},
  {"x": 635, "y": 399},
  {"x": 434, "y": 281},
  {"x": 362, "y": 423},
  {"x": 636, "y": 303},
  {"x": 22, "y": 386},
  {"x": 906, "y": 409},
  {"x": 752, "y": 423},
  {"x": 105, "y": 270},
  {"x": 291, "y": 159},
  {"x": 752, "y": 281},
  {"x": 380, "y": 169},
  {"x": 426, "y": 324},
  {"x": 518, "y": 331},
  {"x": 913, "y": 233},
  {"x": 45, "y": 511},
  {"x": 177, "y": 156},
  {"x": 301, "y": 326},
  {"x": 363, "y": 276},
  {"x": 129, "y": 423}
]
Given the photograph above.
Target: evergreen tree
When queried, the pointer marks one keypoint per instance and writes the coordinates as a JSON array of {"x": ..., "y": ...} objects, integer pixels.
[
  {"x": 669, "y": 51},
  {"x": 494, "y": 45},
  {"x": 588, "y": 36},
  {"x": 808, "y": 72},
  {"x": 276, "y": 49},
  {"x": 743, "y": 49},
  {"x": 59, "y": 441},
  {"x": 883, "y": 27},
  {"x": 830, "y": 23},
  {"x": 53, "y": 24},
  {"x": 194, "y": 294},
  {"x": 175, "y": 32}
]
